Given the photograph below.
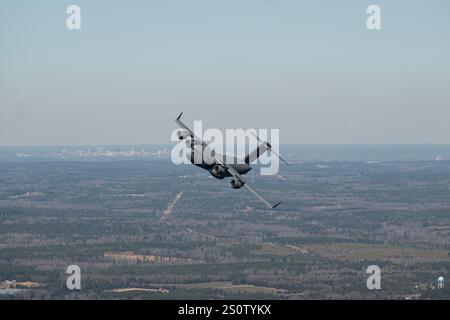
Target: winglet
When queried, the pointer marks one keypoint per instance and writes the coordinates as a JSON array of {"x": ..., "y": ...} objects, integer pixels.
[
  {"x": 178, "y": 118},
  {"x": 276, "y": 205}
]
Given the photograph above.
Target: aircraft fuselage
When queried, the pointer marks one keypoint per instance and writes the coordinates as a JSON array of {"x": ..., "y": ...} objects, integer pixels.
[{"x": 215, "y": 169}]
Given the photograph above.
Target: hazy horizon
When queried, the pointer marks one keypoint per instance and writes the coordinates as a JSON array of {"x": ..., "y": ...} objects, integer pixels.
[
  {"x": 173, "y": 143},
  {"x": 372, "y": 154}
]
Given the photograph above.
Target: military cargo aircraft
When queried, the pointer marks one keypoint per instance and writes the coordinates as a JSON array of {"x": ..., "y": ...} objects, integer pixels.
[{"x": 221, "y": 166}]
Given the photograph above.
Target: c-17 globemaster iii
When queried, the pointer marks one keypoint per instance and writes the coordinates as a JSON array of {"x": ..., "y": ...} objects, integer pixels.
[{"x": 221, "y": 166}]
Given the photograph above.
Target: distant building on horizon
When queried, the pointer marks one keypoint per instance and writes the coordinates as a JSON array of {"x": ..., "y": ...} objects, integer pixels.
[{"x": 440, "y": 283}]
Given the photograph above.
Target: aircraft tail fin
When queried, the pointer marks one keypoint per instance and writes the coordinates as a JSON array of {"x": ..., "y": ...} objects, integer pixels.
[
  {"x": 262, "y": 147},
  {"x": 253, "y": 155}
]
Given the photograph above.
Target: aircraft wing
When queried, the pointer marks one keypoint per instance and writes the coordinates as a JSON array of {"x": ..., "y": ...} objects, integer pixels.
[
  {"x": 260, "y": 197},
  {"x": 236, "y": 174},
  {"x": 182, "y": 125},
  {"x": 191, "y": 133}
]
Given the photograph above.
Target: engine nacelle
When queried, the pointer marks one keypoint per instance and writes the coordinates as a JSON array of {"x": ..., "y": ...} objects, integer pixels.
[
  {"x": 188, "y": 142},
  {"x": 182, "y": 134},
  {"x": 218, "y": 170},
  {"x": 236, "y": 184}
]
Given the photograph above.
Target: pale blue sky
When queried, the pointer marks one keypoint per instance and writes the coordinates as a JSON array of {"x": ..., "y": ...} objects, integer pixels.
[{"x": 310, "y": 68}]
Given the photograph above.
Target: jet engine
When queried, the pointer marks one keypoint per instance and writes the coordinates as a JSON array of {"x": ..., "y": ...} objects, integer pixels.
[
  {"x": 182, "y": 134},
  {"x": 218, "y": 170},
  {"x": 236, "y": 184},
  {"x": 189, "y": 142}
]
